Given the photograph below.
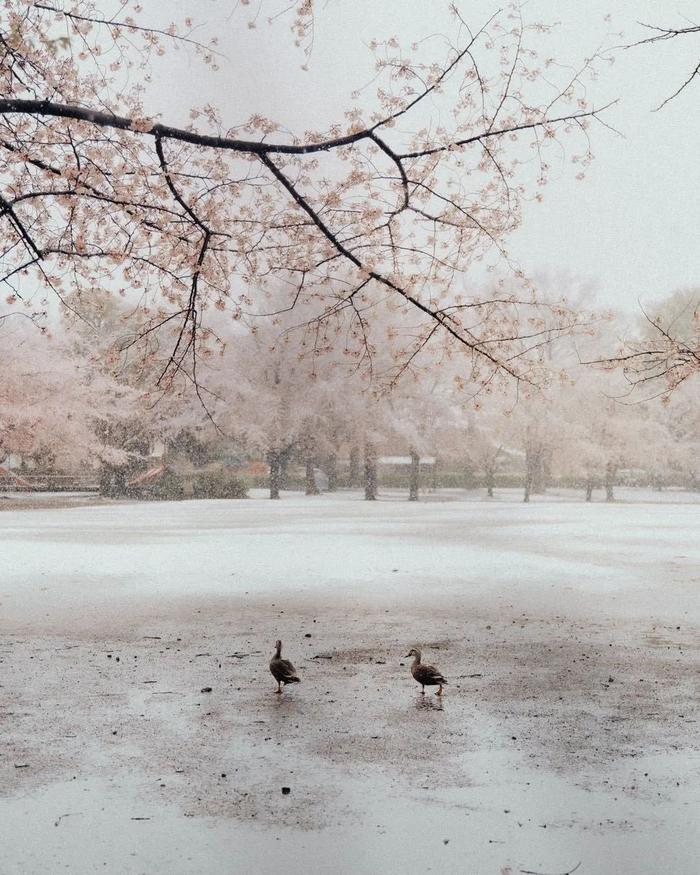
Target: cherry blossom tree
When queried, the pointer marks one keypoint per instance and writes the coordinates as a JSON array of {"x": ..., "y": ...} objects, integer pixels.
[
  {"x": 99, "y": 338},
  {"x": 682, "y": 420},
  {"x": 536, "y": 430},
  {"x": 266, "y": 411},
  {"x": 418, "y": 415},
  {"x": 484, "y": 443},
  {"x": 395, "y": 203},
  {"x": 273, "y": 400},
  {"x": 598, "y": 432},
  {"x": 54, "y": 407}
]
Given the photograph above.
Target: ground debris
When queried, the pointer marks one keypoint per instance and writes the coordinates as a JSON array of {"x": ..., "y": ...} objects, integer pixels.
[
  {"x": 533, "y": 872},
  {"x": 68, "y": 814}
]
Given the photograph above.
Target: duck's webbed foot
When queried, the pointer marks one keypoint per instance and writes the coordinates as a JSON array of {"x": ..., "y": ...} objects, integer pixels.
[{"x": 439, "y": 692}]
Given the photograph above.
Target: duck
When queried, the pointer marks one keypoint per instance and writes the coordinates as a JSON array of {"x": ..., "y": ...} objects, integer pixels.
[
  {"x": 425, "y": 675},
  {"x": 282, "y": 669}
]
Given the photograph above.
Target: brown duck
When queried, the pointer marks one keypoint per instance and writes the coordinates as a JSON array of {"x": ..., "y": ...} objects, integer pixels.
[
  {"x": 426, "y": 675},
  {"x": 282, "y": 669}
]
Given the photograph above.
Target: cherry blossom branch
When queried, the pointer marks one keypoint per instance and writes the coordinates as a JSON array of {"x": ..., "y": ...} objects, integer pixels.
[
  {"x": 501, "y": 132},
  {"x": 180, "y": 220},
  {"x": 160, "y": 131},
  {"x": 373, "y": 274},
  {"x": 666, "y": 360},
  {"x": 119, "y": 24}
]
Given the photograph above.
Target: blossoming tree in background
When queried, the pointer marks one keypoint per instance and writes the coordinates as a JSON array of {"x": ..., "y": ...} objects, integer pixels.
[{"x": 55, "y": 407}]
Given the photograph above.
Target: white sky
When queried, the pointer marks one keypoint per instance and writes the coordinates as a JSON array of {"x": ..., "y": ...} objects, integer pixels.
[{"x": 633, "y": 225}]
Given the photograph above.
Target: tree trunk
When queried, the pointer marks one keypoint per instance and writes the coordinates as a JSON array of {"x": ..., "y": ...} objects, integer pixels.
[
  {"x": 529, "y": 474},
  {"x": 609, "y": 481},
  {"x": 275, "y": 463},
  {"x": 370, "y": 472},
  {"x": 113, "y": 482},
  {"x": 589, "y": 490},
  {"x": 490, "y": 483},
  {"x": 546, "y": 472},
  {"x": 332, "y": 472},
  {"x": 414, "y": 481},
  {"x": 311, "y": 488},
  {"x": 283, "y": 462},
  {"x": 354, "y": 473},
  {"x": 105, "y": 480},
  {"x": 538, "y": 475}
]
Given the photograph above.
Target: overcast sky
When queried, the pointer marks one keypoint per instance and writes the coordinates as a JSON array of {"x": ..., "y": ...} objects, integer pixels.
[{"x": 633, "y": 225}]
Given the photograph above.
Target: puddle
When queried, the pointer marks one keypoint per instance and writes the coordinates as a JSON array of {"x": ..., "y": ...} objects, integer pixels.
[{"x": 508, "y": 816}]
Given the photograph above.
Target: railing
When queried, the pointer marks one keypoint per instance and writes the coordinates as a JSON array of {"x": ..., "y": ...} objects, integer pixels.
[{"x": 49, "y": 483}]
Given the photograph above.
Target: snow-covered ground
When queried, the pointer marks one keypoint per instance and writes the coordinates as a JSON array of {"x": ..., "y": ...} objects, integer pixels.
[{"x": 568, "y": 733}]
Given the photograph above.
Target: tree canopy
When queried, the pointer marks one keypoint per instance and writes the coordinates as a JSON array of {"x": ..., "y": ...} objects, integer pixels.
[{"x": 393, "y": 205}]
